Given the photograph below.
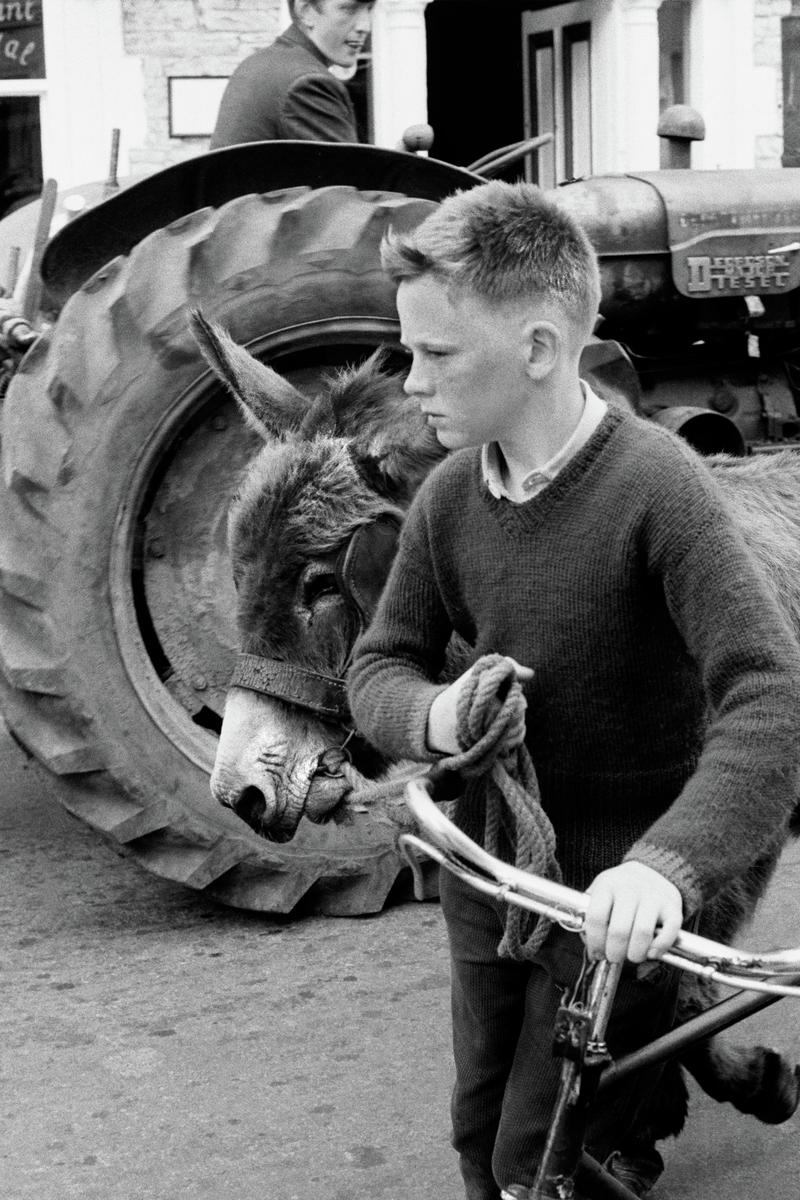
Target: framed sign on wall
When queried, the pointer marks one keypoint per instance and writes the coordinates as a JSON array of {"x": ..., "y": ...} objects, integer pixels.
[
  {"x": 21, "y": 40},
  {"x": 194, "y": 104}
]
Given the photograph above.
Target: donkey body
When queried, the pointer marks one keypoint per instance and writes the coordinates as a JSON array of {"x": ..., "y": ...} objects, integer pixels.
[{"x": 340, "y": 463}]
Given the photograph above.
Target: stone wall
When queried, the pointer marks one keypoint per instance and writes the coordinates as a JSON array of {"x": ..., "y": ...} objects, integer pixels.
[
  {"x": 188, "y": 37},
  {"x": 769, "y": 80}
]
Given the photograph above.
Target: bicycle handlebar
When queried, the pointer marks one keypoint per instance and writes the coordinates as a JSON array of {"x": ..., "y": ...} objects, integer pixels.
[{"x": 753, "y": 971}]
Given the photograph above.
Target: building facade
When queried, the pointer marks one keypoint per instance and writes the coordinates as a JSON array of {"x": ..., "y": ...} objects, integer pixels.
[{"x": 486, "y": 73}]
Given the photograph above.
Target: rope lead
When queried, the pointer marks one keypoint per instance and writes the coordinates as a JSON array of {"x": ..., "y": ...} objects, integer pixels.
[{"x": 490, "y": 725}]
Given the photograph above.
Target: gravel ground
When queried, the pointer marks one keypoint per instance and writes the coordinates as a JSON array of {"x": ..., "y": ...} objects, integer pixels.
[{"x": 154, "y": 1044}]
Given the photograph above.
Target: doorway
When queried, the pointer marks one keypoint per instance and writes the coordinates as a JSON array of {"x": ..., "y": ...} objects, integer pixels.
[
  {"x": 474, "y": 78},
  {"x": 20, "y": 152},
  {"x": 557, "y": 68}
]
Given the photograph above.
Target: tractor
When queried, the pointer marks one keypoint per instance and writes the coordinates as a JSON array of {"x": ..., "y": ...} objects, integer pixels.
[{"x": 120, "y": 450}]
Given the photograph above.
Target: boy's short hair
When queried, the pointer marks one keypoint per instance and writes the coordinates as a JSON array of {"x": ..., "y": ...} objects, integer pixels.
[{"x": 502, "y": 241}]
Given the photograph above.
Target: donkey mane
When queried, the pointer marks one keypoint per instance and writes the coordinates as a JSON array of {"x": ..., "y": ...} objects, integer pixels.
[
  {"x": 392, "y": 443},
  {"x": 310, "y": 493},
  {"x": 362, "y": 448}
]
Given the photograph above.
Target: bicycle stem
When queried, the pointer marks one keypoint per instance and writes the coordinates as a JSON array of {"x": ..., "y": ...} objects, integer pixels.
[{"x": 580, "y": 1040}]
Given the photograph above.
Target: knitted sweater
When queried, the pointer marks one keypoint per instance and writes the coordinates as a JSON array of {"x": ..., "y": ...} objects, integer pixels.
[{"x": 662, "y": 717}]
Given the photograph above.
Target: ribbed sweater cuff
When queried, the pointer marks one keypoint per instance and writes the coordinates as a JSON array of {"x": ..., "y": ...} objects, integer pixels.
[{"x": 674, "y": 868}]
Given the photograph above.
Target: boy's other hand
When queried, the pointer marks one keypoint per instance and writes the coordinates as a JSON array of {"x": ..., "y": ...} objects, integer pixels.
[
  {"x": 633, "y": 913},
  {"x": 441, "y": 733}
]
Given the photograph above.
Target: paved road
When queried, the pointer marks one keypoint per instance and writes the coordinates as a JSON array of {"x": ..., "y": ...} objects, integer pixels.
[{"x": 153, "y": 1044}]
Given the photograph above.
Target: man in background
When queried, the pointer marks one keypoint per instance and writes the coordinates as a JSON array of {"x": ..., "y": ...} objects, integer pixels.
[{"x": 286, "y": 90}]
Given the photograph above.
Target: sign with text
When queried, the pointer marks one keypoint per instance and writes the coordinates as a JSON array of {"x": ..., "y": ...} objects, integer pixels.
[{"x": 21, "y": 39}]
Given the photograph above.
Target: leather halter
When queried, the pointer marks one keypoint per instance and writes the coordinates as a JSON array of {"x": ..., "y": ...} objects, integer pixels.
[
  {"x": 362, "y": 567},
  {"x": 322, "y": 694}
]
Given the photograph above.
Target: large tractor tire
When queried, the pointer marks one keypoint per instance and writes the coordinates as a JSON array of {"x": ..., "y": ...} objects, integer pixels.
[{"x": 119, "y": 455}]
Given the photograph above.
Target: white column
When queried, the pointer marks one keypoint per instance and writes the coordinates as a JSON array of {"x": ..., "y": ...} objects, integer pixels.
[
  {"x": 92, "y": 88},
  {"x": 722, "y": 82},
  {"x": 635, "y": 81},
  {"x": 399, "y": 61}
]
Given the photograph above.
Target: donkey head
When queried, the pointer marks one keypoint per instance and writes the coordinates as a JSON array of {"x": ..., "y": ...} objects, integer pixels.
[{"x": 312, "y": 530}]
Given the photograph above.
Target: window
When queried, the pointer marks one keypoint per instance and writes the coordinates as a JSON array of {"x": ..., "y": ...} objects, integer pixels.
[
  {"x": 577, "y": 101},
  {"x": 541, "y": 167},
  {"x": 673, "y": 45},
  {"x": 20, "y": 151},
  {"x": 557, "y": 52}
]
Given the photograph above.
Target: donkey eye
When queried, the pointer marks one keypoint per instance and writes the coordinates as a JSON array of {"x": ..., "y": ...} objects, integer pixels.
[{"x": 315, "y": 587}]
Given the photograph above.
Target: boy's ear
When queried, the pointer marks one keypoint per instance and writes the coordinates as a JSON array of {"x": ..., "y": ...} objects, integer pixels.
[{"x": 544, "y": 344}]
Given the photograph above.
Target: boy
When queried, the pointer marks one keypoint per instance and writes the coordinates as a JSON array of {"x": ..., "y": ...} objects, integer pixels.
[
  {"x": 286, "y": 90},
  {"x": 662, "y": 681}
]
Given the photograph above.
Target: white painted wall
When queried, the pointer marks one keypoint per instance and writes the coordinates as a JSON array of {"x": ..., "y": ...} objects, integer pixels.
[
  {"x": 768, "y": 80},
  {"x": 91, "y": 88},
  {"x": 631, "y": 37},
  {"x": 722, "y": 82}
]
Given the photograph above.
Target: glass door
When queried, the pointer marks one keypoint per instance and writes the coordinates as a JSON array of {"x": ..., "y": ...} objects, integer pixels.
[
  {"x": 557, "y": 59},
  {"x": 541, "y": 106}
]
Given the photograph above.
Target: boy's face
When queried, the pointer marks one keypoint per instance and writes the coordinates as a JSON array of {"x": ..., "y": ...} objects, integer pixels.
[
  {"x": 469, "y": 362},
  {"x": 339, "y": 28}
]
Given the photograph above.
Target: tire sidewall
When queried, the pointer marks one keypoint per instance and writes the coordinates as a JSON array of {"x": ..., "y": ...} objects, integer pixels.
[{"x": 100, "y": 497}]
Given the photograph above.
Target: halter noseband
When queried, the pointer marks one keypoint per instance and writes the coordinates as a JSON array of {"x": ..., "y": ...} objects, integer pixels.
[{"x": 321, "y": 694}]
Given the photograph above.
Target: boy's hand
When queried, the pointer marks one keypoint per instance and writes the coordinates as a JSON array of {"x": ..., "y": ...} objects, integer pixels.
[
  {"x": 441, "y": 733},
  {"x": 633, "y": 913}
]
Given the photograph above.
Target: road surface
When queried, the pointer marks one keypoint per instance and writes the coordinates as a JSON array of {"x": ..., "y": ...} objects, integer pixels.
[{"x": 156, "y": 1045}]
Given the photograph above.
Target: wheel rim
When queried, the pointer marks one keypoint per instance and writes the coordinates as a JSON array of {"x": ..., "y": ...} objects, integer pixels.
[{"x": 171, "y": 588}]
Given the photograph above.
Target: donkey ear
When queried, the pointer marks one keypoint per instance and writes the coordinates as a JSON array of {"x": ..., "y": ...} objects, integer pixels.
[{"x": 269, "y": 403}]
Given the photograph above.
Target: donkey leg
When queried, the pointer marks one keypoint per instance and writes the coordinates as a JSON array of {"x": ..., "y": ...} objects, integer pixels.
[{"x": 754, "y": 1079}]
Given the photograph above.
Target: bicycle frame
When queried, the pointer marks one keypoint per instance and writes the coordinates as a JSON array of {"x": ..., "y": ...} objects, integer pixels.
[{"x": 587, "y": 1070}]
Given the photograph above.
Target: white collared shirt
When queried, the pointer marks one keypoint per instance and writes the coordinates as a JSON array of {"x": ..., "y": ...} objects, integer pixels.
[{"x": 594, "y": 409}]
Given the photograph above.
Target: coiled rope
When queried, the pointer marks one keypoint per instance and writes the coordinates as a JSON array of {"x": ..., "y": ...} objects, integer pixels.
[
  {"x": 499, "y": 774},
  {"x": 490, "y": 725}
]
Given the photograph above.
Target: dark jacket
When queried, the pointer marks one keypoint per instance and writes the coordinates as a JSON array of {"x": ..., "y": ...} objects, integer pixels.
[{"x": 285, "y": 91}]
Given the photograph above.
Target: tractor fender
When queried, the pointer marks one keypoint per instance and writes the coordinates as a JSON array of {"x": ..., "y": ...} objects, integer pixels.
[
  {"x": 608, "y": 369},
  {"x": 113, "y": 227},
  {"x": 606, "y": 366}
]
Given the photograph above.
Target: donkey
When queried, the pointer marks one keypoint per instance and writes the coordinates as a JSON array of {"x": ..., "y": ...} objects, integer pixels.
[
  {"x": 312, "y": 532},
  {"x": 339, "y": 469}
]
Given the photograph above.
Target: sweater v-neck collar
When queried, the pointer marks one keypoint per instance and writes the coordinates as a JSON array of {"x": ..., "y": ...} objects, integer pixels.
[{"x": 530, "y": 513}]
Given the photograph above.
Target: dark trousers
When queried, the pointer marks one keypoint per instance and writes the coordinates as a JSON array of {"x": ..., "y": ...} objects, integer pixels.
[{"x": 503, "y": 1017}]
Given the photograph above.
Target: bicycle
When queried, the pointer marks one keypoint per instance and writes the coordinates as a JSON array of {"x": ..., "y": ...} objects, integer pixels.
[{"x": 587, "y": 1069}]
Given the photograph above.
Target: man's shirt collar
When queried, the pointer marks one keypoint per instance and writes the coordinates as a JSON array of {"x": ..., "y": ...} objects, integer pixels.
[{"x": 295, "y": 35}]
